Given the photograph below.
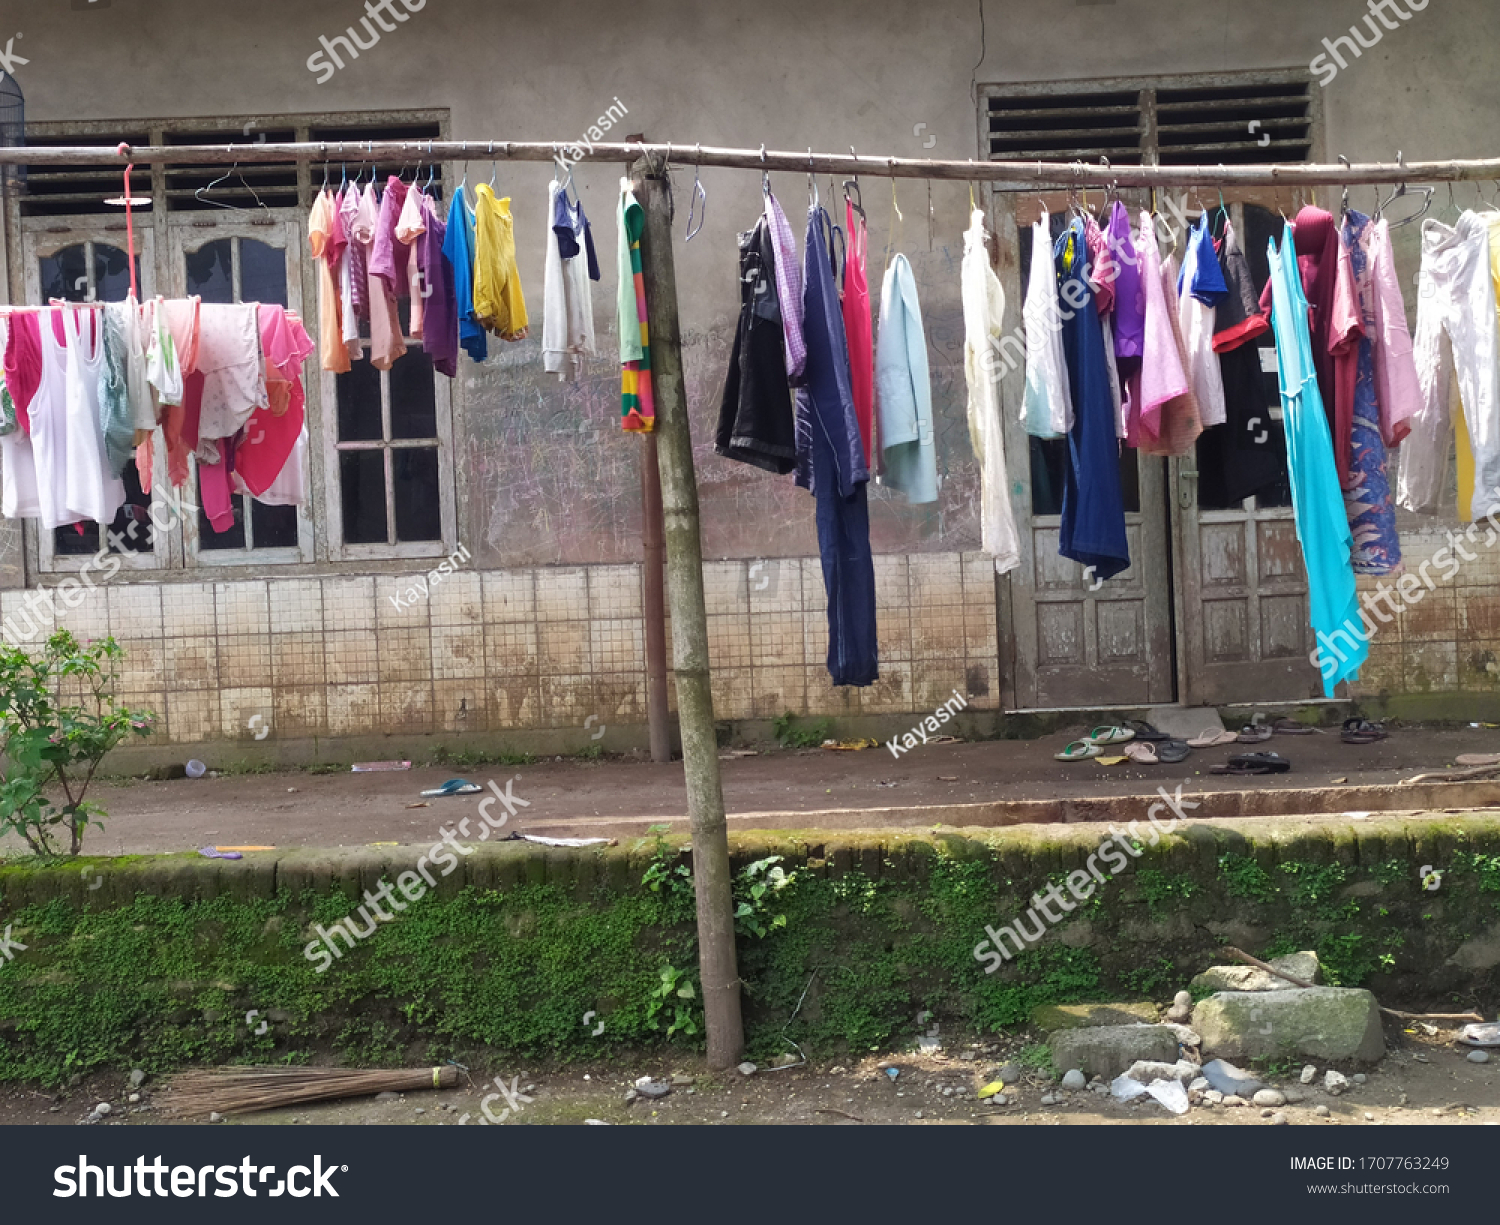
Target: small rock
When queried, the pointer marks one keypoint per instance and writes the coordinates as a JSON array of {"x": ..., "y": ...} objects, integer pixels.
[
  {"x": 1213, "y": 1097},
  {"x": 837, "y": 1070},
  {"x": 1234, "y": 1099},
  {"x": 1199, "y": 1085},
  {"x": 1360, "y": 1078},
  {"x": 1227, "y": 1078},
  {"x": 1278, "y": 1120},
  {"x": 420, "y": 1110},
  {"x": 1404, "y": 1100},
  {"x": 387, "y": 1096},
  {"x": 1048, "y": 1100},
  {"x": 133, "y": 1098},
  {"x": 1309, "y": 1074},
  {"x": 1322, "y": 1111},
  {"x": 1421, "y": 1058},
  {"x": 647, "y": 1087},
  {"x": 947, "y": 1090},
  {"x": 1479, "y": 1056},
  {"x": 681, "y": 1080},
  {"x": 630, "y": 1096},
  {"x": 1369, "y": 1118},
  {"x": 137, "y": 1078},
  {"x": 968, "y": 1056},
  {"x": 1294, "y": 1097},
  {"x": 1075, "y": 1079},
  {"x": 215, "y": 1117},
  {"x": 747, "y": 1069},
  {"x": 1100, "y": 1088},
  {"x": 1183, "y": 999},
  {"x": 1270, "y": 1097},
  {"x": 1010, "y": 1073},
  {"x": 103, "y": 1108},
  {"x": 1335, "y": 1082},
  {"x": 1266, "y": 1114},
  {"x": 1180, "y": 1014}
]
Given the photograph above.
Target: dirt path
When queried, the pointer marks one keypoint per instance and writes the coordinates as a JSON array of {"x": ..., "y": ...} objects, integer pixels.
[
  {"x": 331, "y": 810},
  {"x": 1424, "y": 1081}
]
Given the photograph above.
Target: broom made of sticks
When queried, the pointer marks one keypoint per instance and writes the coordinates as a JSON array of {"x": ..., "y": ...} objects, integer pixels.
[{"x": 247, "y": 1090}]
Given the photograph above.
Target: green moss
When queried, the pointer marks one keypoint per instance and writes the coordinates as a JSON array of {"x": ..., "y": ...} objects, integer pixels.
[{"x": 1242, "y": 877}]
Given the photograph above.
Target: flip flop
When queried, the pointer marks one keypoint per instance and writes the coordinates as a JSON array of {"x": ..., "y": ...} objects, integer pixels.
[
  {"x": 1362, "y": 731},
  {"x": 1111, "y": 761},
  {"x": 1212, "y": 738},
  {"x": 1079, "y": 750},
  {"x": 1112, "y": 734},
  {"x": 1254, "y": 763},
  {"x": 1170, "y": 752},
  {"x": 1144, "y": 731},
  {"x": 454, "y": 786},
  {"x": 1290, "y": 727},
  {"x": 1254, "y": 733},
  {"x": 1142, "y": 751},
  {"x": 213, "y": 852}
]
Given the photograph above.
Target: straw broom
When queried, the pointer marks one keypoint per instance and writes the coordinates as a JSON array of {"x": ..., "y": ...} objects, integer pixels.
[{"x": 247, "y": 1090}]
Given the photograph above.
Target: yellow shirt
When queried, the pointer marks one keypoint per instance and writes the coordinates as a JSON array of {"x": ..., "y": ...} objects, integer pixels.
[{"x": 498, "y": 302}]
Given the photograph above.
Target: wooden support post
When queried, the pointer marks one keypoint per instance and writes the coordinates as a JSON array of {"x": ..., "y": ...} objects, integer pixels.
[
  {"x": 655, "y": 603},
  {"x": 695, "y": 703}
]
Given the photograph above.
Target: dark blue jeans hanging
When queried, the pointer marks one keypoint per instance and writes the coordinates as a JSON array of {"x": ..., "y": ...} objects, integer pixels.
[
  {"x": 839, "y": 473},
  {"x": 1093, "y": 508}
]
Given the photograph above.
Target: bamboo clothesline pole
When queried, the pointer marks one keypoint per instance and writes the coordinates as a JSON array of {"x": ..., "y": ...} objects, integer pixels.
[{"x": 1012, "y": 173}]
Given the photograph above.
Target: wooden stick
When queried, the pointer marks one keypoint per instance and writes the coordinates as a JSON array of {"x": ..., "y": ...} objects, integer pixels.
[
  {"x": 843, "y": 1113},
  {"x": 1238, "y": 955},
  {"x": 1453, "y": 776},
  {"x": 1013, "y": 173}
]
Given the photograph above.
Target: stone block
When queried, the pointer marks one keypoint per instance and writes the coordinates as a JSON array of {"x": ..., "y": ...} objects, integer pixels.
[
  {"x": 1332, "y": 1023},
  {"x": 1109, "y": 1050}
]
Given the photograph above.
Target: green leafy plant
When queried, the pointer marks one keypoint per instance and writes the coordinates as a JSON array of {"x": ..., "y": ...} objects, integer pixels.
[
  {"x": 675, "y": 1003},
  {"x": 756, "y": 887},
  {"x": 1244, "y": 878},
  {"x": 52, "y": 743},
  {"x": 806, "y": 736}
]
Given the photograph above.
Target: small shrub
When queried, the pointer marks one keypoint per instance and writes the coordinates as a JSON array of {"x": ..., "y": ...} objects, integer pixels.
[
  {"x": 807, "y": 736},
  {"x": 53, "y": 745}
]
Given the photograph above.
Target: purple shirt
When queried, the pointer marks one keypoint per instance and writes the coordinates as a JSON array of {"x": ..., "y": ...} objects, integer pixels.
[
  {"x": 788, "y": 291},
  {"x": 1130, "y": 294},
  {"x": 388, "y": 257},
  {"x": 440, "y": 310}
]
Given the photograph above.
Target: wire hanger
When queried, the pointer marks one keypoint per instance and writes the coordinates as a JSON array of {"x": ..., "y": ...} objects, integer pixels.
[
  {"x": 234, "y": 208},
  {"x": 765, "y": 175},
  {"x": 1344, "y": 201},
  {"x": 898, "y": 225},
  {"x": 494, "y": 168},
  {"x": 698, "y": 200},
  {"x": 431, "y": 169},
  {"x": 812, "y": 182},
  {"x": 323, "y": 151}
]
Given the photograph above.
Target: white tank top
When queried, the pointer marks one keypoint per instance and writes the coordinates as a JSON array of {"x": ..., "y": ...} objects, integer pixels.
[{"x": 49, "y": 429}]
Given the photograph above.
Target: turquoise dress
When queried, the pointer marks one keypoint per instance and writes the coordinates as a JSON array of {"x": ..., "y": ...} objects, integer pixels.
[{"x": 1317, "y": 500}]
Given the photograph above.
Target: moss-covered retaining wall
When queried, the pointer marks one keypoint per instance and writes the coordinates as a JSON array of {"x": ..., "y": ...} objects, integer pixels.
[{"x": 157, "y": 961}]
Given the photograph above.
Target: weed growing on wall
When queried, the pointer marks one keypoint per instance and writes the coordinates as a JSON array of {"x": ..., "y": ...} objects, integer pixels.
[{"x": 59, "y": 719}]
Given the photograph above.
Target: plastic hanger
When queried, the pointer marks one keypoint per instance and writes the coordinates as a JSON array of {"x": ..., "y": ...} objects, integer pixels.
[{"x": 697, "y": 201}]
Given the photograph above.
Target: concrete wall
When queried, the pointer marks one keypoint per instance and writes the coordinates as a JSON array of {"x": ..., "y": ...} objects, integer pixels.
[{"x": 544, "y": 476}]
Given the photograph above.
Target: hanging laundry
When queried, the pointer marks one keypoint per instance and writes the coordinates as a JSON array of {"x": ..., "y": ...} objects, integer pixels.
[
  {"x": 1102, "y": 270},
  {"x": 839, "y": 473},
  {"x": 984, "y": 313},
  {"x": 1093, "y": 507},
  {"x": 1247, "y": 456},
  {"x": 458, "y": 246},
  {"x": 351, "y": 270},
  {"x": 1160, "y": 420},
  {"x": 1047, "y": 406},
  {"x": 498, "y": 301},
  {"x": 19, "y": 498},
  {"x": 1130, "y": 293},
  {"x": 1398, "y": 391},
  {"x": 409, "y": 226},
  {"x": 638, "y": 405},
  {"x": 903, "y": 385},
  {"x": 1201, "y": 288},
  {"x": 567, "y": 302},
  {"x": 425, "y": 232},
  {"x": 182, "y": 318},
  {"x": 755, "y": 414},
  {"x": 858, "y": 327},
  {"x": 1181, "y": 417},
  {"x": 320, "y": 238},
  {"x": 788, "y": 290},
  {"x": 91, "y": 491},
  {"x": 574, "y": 234},
  {"x": 230, "y": 363},
  {"x": 1317, "y": 500},
  {"x": 115, "y": 414},
  {"x": 1367, "y": 495},
  {"x": 1457, "y": 297},
  {"x": 272, "y": 431}
]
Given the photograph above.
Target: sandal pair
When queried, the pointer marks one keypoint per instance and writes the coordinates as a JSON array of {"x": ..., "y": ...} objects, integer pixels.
[
  {"x": 1254, "y": 763},
  {"x": 1362, "y": 731}
]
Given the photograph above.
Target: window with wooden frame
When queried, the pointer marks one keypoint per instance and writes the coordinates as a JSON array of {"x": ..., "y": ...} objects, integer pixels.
[{"x": 379, "y": 480}]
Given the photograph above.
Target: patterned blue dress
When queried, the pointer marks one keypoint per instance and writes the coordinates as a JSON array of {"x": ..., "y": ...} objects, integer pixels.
[{"x": 1368, "y": 500}]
